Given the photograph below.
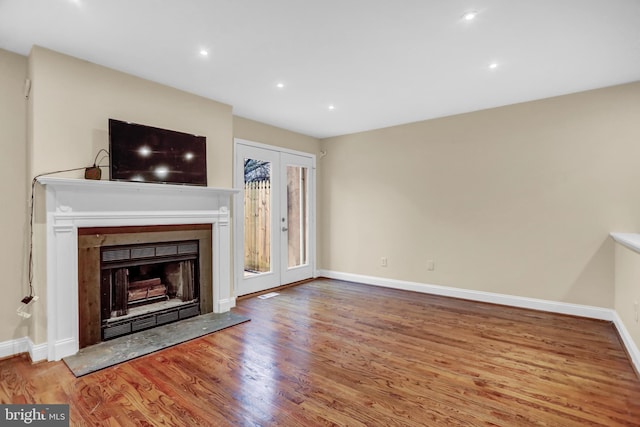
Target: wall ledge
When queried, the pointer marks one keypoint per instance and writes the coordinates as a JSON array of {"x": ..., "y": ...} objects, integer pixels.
[{"x": 630, "y": 240}]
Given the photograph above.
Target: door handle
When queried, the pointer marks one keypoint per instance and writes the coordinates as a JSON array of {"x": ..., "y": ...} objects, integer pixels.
[{"x": 284, "y": 228}]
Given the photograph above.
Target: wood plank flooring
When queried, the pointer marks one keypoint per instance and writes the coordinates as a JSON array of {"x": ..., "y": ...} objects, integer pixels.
[{"x": 336, "y": 353}]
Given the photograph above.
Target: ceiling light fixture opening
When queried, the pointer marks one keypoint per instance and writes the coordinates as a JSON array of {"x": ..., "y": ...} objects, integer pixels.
[
  {"x": 332, "y": 107},
  {"x": 493, "y": 65},
  {"x": 280, "y": 85},
  {"x": 204, "y": 52}
]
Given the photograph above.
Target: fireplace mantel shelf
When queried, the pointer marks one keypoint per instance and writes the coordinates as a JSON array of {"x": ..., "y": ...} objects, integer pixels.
[{"x": 101, "y": 185}]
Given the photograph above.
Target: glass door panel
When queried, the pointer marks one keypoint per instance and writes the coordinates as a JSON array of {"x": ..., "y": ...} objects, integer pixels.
[
  {"x": 295, "y": 217},
  {"x": 257, "y": 217},
  {"x": 297, "y": 213}
]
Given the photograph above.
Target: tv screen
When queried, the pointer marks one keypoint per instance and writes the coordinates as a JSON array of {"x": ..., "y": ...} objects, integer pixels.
[{"x": 148, "y": 154}]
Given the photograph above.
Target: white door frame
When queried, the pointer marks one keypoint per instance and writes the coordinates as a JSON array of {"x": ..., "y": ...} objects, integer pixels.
[{"x": 238, "y": 211}]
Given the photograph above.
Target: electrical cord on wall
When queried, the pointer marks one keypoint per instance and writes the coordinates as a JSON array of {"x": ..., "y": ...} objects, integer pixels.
[
  {"x": 27, "y": 299},
  {"x": 96, "y": 162}
]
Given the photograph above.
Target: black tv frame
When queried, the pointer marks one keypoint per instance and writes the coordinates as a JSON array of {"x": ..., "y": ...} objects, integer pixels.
[{"x": 142, "y": 153}]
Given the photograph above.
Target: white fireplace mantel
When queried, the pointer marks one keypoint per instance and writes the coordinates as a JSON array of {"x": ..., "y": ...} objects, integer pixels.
[{"x": 77, "y": 203}]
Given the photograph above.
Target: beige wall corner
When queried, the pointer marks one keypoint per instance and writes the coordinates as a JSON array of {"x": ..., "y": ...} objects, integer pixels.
[
  {"x": 252, "y": 130},
  {"x": 517, "y": 200},
  {"x": 14, "y": 186}
]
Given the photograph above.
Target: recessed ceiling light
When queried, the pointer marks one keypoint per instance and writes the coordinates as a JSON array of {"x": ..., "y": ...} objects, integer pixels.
[
  {"x": 204, "y": 52},
  {"x": 332, "y": 107},
  {"x": 493, "y": 65},
  {"x": 470, "y": 15},
  {"x": 280, "y": 85}
]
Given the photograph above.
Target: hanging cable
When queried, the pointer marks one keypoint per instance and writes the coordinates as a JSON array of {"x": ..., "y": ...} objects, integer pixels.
[{"x": 29, "y": 298}]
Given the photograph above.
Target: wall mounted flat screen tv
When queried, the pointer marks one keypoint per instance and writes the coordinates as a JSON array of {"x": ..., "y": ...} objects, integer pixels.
[{"x": 148, "y": 154}]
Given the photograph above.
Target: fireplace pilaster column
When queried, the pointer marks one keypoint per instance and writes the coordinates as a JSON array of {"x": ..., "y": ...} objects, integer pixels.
[
  {"x": 62, "y": 288},
  {"x": 224, "y": 299}
]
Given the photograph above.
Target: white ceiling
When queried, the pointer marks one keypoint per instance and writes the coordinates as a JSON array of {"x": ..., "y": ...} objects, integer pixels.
[{"x": 379, "y": 62}]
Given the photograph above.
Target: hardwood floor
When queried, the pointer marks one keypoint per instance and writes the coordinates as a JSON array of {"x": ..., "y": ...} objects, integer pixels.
[{"x": 336, "y": 353}]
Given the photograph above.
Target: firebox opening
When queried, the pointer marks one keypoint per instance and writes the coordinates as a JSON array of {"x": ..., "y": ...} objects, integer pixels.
[{"x": 148, "y": 285}]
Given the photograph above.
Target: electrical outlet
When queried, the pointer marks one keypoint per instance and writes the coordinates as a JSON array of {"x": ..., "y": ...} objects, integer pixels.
[
  {"x": 383, "y": 261},
  {"x": 430, "y": 265}
]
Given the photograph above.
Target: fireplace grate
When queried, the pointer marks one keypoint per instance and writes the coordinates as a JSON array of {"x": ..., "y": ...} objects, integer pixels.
[
  {"x": 138, "y": 323},
  {"x": 189, "y": 312},
  {"x": 116, "y": 331}
]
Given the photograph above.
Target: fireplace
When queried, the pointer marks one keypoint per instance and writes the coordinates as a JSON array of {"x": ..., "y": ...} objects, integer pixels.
[
  {"x": 147, "y": 285},
  {"x": 136, "y": 278},
  {"x": 86, "y": 218}
]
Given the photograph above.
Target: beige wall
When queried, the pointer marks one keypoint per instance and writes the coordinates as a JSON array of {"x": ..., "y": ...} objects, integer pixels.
[
  {"x": 517, "y": 200},
  {"x": 13, "y": 188},
  {"x": 71, "y": 103},
  {"x": 627, "y": 289},
  {"x": 251, "y": 130},
  {"x": 73, "y": 100}
]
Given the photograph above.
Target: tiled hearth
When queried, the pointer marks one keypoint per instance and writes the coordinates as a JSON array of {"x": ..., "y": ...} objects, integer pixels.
[{"x": 72, "y": 204}]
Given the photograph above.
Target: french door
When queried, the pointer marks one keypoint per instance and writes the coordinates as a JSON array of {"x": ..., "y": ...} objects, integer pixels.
[{"x": 273, "y": 217}]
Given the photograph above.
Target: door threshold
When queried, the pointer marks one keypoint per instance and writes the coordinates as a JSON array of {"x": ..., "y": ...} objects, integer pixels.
[{"x": 277, "y": 288}]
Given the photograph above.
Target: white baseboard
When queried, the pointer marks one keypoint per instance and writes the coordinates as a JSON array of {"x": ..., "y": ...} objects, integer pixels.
[
  {"x": 13, "y": 347},
  {"x": 502, "y": 299},
  {"x": 23, "y": 345},
  {"x": 226, "y": 304},
  {"x": 38, "y": 352},
  {"x": 62, "y": 348},
  {"x": 490, "y": 297},
  {"x": 629, "y": 344}
]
